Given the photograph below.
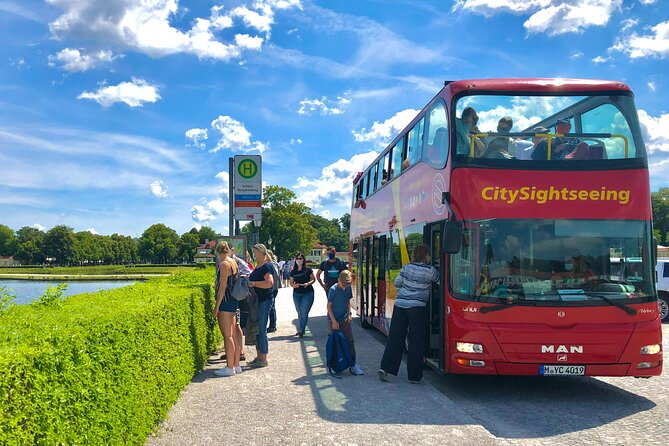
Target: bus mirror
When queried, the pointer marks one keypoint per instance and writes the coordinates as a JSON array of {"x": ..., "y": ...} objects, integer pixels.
[{"x": 452, "y": 236}]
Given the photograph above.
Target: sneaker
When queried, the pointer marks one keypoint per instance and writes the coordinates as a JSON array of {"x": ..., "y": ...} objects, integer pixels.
[
  {"x": 226, "y": 371},
  {"x": 271, "y": 329},
  {"x": 238, "y": 370},
  {"x": 355, "y": 370},
  {"x": 258, "y": 363},
  {"x": 413, "y": 381},
  {"x": 383, "y": 375},
  {"x": 301, "y": 334}
]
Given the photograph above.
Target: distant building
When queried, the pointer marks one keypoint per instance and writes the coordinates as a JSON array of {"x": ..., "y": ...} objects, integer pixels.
[
  {"x": 205, "y": 252},
  {"x": 317, "y": 253},
  {"x": 8, "y": 261},
  {"x": 662, "y": 251}
]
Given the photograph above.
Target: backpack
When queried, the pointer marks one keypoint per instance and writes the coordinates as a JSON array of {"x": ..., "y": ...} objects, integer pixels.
[
  {"x": 337, "y": 353},
  {"x": 277, "y": 279},
  {"x": 240, "y": 287}
]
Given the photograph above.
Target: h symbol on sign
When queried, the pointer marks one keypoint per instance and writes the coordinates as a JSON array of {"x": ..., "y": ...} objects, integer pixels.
[{"x": 247, "y": 168}]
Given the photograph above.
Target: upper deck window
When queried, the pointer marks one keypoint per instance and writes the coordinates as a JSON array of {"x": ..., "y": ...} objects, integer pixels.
[{"x": 543, "y": 128}]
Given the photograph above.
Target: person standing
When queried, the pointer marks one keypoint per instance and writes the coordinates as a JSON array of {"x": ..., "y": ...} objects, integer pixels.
[
  {"x": 414, "y": 284},
  {"x": 262, "y": 281},
  {"x": 330, "y": 268},
  {"x": 225, "y": 310},
  {"x": 301, "y": 281},
  {"x": 275, "y": 291},
  {"x": 339, "y": 313}
]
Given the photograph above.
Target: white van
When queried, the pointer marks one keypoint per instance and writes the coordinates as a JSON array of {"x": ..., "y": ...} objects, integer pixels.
[{"x": 662, "y": 273}]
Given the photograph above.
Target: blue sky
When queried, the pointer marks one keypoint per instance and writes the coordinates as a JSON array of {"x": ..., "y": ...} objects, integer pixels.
[{"x": 118, "y": 114}]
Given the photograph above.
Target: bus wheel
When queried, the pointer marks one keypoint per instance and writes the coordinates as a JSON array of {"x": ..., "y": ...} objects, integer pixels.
[{"x": 663, "y": 302}]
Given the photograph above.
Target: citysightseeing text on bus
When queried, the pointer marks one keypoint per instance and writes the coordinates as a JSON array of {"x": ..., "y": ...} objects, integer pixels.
[{"x": 543, "y": 196}]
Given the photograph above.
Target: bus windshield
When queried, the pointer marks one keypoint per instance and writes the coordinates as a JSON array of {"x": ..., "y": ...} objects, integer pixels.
[
  {"x": 571, "y": 262},
  {"x": 547, "y": 128}
]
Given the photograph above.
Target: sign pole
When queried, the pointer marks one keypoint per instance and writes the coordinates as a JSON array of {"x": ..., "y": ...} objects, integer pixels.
[{"x": 231, "y": 198}]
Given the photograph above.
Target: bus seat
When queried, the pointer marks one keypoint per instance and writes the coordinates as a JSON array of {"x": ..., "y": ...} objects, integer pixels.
[{"x": 596, "y": 152}]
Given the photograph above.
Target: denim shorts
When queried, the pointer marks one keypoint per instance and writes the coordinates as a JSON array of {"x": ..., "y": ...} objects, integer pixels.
[{"x": 229, "y": 307}]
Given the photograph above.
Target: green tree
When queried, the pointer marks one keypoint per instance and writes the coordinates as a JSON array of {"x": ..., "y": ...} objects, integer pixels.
[
  {"x": 188, "y": 246},
  {"x": 660, "y": 203},
  {"x": 88, "y": 248},
  {"x": 207, "y": 233},
  {"x": 284, "y": 221},
  {"x": 29, "y": 245},
  {"x": 159, "y": 244},
  {"x": 345, "y": 221},
  {"x": 59, "y": 244},
  {"x": 8, "y": 244}
]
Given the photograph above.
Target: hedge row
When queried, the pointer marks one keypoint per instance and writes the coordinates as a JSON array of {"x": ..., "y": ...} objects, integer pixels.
[
  {"x": 101, "y": 269},
  {"x": 103, "y": 368}
]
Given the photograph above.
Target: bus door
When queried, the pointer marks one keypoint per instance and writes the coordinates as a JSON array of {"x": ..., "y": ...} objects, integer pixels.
[
  {"x": 380, "y": 258},
  {"x": 435, "y": 343},
  {"x": 366, "y": 287}
]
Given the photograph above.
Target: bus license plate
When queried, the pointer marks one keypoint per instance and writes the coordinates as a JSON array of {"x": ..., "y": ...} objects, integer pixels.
[{"x": 561, "y": 370}]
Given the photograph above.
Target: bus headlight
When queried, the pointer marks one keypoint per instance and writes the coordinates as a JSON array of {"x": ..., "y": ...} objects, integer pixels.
[
  {"x": 468, "y": 347},
  {"x": 650, "y": 349}
]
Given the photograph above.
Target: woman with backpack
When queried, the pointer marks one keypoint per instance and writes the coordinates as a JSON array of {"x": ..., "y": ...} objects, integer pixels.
[
  {"x": 225, "y": 310},
  {"x": 301, "y": 281},
  {"x": 262, "y": 282}
]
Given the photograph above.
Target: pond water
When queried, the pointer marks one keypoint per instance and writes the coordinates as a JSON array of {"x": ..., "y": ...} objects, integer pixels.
[{"x": 29, "y": 290}]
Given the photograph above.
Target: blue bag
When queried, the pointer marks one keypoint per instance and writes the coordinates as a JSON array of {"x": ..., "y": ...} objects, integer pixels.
[{"x": 337, "y": 353}]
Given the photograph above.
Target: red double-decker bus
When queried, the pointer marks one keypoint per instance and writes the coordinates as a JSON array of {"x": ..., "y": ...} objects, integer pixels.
[{"x": 525, "y": 190}]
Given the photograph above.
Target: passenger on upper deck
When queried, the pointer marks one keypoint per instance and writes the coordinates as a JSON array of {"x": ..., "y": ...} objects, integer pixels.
[
  {"x": 516, "y": 147},
  {"x": 464, "y": 128},
  {"x": 498, "y": 149},
  {"x": 540, "y": 145}
]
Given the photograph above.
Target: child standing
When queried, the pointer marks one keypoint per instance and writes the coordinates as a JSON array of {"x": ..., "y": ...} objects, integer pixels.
[{"x": 339, "y": 312}]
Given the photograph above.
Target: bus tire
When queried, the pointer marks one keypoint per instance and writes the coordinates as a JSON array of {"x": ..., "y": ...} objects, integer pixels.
[{"x": 663, "y": 302}]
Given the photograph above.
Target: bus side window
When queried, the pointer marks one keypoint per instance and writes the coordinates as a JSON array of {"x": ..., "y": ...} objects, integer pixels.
[
  {"x": 382, "y": 172},
  {"x": 436, "y": 135},
  {"x": 415, "y": 143},
  {"x": 398, "y": 155}
]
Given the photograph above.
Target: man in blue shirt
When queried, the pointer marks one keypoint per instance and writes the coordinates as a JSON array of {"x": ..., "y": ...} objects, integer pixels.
[{"x": 339, "y": 312}]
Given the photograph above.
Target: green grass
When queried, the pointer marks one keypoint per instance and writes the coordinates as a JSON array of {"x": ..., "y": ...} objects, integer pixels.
[{"x": 105, "y": 367}]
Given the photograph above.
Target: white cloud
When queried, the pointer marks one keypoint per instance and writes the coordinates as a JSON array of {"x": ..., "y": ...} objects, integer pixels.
[
  {"x": 72, "y": 59},
  {"x": 628, "y": 24},
  {"x": 145, "y": 26},
  {"x": 577, "y": 55},
  {"x": 234, "y": 136},
  {"x": 197, "y": 137},
  {"x": 38, "y": 227},
  {"x": 248, "y": 42},
  {"x": 92, "y": 231},
  {"x": 134, "y": 94},
  {"x": 209, "y": 210},
  {"x": 654, "y": 132},
  {"x": 655, "y": 44},
  {"x": 647, "y": 2},
  {"x": 295, "y": 141},
  {"x": 325, "y": 105},
  {"x": 600, "y": 59},
  {"x": 652, "y": 86},
  {"x": 224, "y": 189},
  {"x": 158, "y": 189},
  {"x": 381, "y": 133},
  {"x": 333, "y": 188},
  {"x": 553, "y": 17}
]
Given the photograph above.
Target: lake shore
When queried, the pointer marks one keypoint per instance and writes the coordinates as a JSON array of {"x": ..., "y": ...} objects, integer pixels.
[{"x": 74, "y": 277}]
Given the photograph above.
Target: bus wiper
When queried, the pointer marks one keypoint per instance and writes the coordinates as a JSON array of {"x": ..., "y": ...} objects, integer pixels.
[
  {"x": 615, "y": 303},
  {"x": 485, "y": 310}
]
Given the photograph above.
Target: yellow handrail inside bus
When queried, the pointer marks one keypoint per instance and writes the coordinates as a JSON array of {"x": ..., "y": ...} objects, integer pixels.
[
  {"x": 473, "y": 140},
  {"x": 626, "y": 143}
]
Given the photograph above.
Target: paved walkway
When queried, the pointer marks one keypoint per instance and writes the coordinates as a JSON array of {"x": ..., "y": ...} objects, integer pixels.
[{"x": 294, "y": 401}]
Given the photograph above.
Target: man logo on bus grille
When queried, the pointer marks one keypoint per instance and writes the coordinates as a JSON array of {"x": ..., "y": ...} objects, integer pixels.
[{"x": 247, "y": 169}]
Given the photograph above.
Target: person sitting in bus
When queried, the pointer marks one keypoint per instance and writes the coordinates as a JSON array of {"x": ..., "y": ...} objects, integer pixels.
[
  {"x": 384, "y": 178},
  {"x": 498, "y": 149},
  {"x": 575, "y": 272},
  {"x": 465, "y": 127},
  {"x": 516, "y": 147},
  {"x": 436, "y": 152},
  {"x": 540, "y": 150}
]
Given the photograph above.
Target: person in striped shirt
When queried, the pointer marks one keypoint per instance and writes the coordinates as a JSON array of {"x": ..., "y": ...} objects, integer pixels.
[{"x": 414, "y": 284}]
